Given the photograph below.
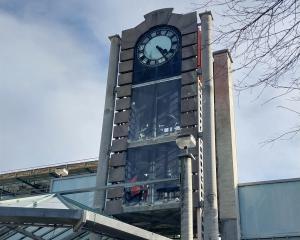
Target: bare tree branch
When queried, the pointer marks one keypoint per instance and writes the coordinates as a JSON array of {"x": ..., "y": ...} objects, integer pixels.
[{"x": 264, "y": 38}]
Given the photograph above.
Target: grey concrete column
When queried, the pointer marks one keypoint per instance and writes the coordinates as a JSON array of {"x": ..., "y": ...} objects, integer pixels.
[
  {"x": 186, "y": 197},
  {"x": 107, "y": 124},
  {"x": 211, "y": 225},
  {"x": 226, "y": 147}
]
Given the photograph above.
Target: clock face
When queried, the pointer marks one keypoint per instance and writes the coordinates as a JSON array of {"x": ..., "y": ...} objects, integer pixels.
[{"x": 157, "y": 46}]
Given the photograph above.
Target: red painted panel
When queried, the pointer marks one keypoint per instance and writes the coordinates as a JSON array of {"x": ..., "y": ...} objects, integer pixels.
[{"x": 199, "y": 49}]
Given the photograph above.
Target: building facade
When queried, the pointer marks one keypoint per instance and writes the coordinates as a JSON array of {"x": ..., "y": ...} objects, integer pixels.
[{"x": 158, "y": 98}]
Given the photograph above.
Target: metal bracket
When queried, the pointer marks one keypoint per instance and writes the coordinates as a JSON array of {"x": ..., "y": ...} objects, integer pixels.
[
  {"x": 199, "y": 71},
  {"x": 81, "y": 222},
  {"x": 200, "y": 135},
  {"x": 201, "y": 204}
]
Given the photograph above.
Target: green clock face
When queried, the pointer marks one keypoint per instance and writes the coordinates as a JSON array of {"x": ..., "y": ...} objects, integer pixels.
[{"x": 157, "y": 46}]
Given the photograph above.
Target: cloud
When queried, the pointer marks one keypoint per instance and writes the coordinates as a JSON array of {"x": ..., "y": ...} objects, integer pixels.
[
  {"x": 53, "y": 66},
  {"x": 53, "y": 71},
  {"x": 51, "y": 95},
  {"x": 257, "y": 122}
]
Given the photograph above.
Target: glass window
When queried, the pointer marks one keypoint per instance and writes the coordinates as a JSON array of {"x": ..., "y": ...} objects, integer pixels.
[
  {"x": 86, "y": 199},
  {"x": 55, "y": 232},
  {"x": 73, "y": 183},
  {"x": 16, "y": 236},
  {"x": 43, "y": 230},
  {"x": 64, "y": 235},
  {"x": 142, "y": 117},
  {"x": 31, "y": 228},
  {"x": 152, "y": 162},
  {"x": 155, "y": 110},
  {"x": 168, "y": 107},
  {"x": 144, "y": 74}
]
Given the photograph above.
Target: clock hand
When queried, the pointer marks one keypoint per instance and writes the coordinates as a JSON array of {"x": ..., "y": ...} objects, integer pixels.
[{"x": 162, "y": 51}]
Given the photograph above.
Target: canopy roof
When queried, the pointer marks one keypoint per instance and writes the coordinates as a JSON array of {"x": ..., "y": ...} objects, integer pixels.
[{"x": 52, "y": 217}]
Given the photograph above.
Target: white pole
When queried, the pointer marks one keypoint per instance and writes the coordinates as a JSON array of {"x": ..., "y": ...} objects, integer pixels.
[
  {"x": 187, "y": 198},
  {"x": 211, "y": 225}
]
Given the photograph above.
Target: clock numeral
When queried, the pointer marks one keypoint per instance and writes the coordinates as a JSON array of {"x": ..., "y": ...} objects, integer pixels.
[
  {"x": 153, "y": 34},
  {"x": 174, "y": 46},
  {"x": 163, "y": 32},
  {"x": 161, "y": 60},
  {"x": 141, "y": 47},
  {"x": 170, "y": 34},
  {"x": 146, "y": 40},
  {"x": 174, "y": 39}
]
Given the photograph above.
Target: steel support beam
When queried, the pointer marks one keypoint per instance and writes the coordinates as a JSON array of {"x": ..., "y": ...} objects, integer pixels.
[
  {"x": 26, "y": 233},
  {"x": 35, "y": 187},
  {"x": 74, "y": 235},
  {"x": 5, "y": 191},
  {"x": 36, "y": 216},
  {"x": 114, "y": 228},
  {"x": 78, "y": 219},
  {"x": 3, "y": 230}
]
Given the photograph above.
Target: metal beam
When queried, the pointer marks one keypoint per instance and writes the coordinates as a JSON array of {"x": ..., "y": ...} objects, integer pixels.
[
  {"x": 5, "y": 191},
  {"x": 73, "y": 235},
  {"x": 37, "y": 216},
  {"x": 114, "y": 228},
  {"x": 125, "y": 185},
  {"x": 26, "y": 233},
  {"x": 4, "y": 230},
  {"x": 78, "y": 219},
  {"x": 89, "y": 170},
  {"x": 35, "y": 187},
  {"x": 58, "y": 235}
]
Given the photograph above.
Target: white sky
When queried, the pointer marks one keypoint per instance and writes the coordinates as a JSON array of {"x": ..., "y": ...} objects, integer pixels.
[{"x": 53, "y": 65}]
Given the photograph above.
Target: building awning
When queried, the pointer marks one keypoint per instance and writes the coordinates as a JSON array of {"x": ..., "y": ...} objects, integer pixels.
[{"x": 39, "y": 223}]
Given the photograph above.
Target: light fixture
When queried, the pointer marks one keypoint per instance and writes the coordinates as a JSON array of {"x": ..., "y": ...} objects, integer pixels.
[
  {"x": 186, "y": 141},
  {"x": 61, "y": 172}
]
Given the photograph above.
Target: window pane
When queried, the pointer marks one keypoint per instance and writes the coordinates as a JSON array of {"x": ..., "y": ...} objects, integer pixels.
[
  {"x": 64, "y": 234},
  {"x": 144, "y": 74},
  {"x": 142, "y": 118},
  {"x": 85, "y": 199},
  {"x": 43, "y": 231},
  {"x": 152, "y": 162},
  {"x": 155, "y": 110},
  {"x": 54, "y": 233},
  {"x": 16, "y": 236},
  {"x": 72, "y": 183},
  {"x": 168, "y": 100}
]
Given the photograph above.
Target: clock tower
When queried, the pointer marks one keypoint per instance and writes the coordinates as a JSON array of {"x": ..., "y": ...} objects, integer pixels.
[{"x": 154, "y": 94}]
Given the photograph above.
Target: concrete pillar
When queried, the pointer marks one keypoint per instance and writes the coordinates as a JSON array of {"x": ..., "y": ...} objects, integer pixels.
[
  {"x": 107, "y": 124},
  {"x": 210, "y": 213},
  {"x": 226, "y": 147},
  {"x": 186, "y": 197}
]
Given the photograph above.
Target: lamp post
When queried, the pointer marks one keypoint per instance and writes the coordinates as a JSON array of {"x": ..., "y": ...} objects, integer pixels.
[{"x": 185, "y": 142}]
